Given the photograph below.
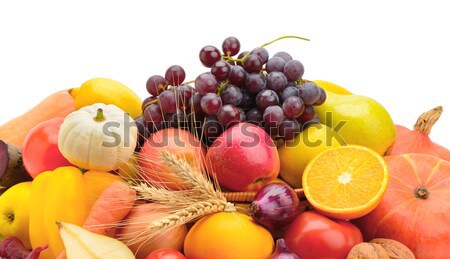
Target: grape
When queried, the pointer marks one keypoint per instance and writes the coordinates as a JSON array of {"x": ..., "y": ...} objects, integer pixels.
[
  {"x": 291, "y": 83},
  {"x": 212, "y": 127},
  {"x": 206, "y": 83},
  {"x": 261, "y": 53},
  {"x": 237, "y": 76},
  {"x": 266, "y": 98},
  {"x": 288, "y": 92},
  {"x": 288, "y": 129},
  {"x": 194, "y": 103},
  {"x": 307, "y": 115},
  {"x": 231, "y": 94},
  {"x": 309, "y": 92},
  {"x": 255, "y": 83},
  {"x": 254, "y": 115},
  {"x": 293, "y": 70},
  {"x": 211, "y": 103},
  {"x": 323, "y": 97},
  {"x": 221, "y": 70},
  {"x": 209, "y": 55},
  {"x": 152, "y": 114},
  {"x": 242, "y": 116},
  {"x": 156, "y": 84},
  {"x": 276, "y": 81},
  {"x": 240, "y": 56},
  {"x": 143, "y": 132},
  {"x": 273, "y": 116},
  {"x": 228, "y": 115},
  {"x": 293, "y": 107},
  {"x": 167, "y": 101},
  {"x": 178, "y": 120},
  {"x": 195, "y": 122},
  {"x": 231, "y": 46},
  {"x": 314, "y": 120},
  {"x": 147, "y": 101},
  {"x": 247, "y": 100},
  {"x": 275, "y": 64},
  {"x": 271, "y": 130},
  {"x": 184, "y": 93},
  {"x": 284, "y": 55},
  {"x": 253, "y": 63},
  {"x": 175, "y": 75}
]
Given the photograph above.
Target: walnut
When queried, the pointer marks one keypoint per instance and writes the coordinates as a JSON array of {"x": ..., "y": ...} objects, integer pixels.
[
  {"x": 367, "y": 251},
  {"x": 394, "y": 249}
]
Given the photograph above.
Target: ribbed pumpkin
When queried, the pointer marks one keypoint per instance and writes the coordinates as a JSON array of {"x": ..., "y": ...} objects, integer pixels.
[
  {"x": 98, "y": 137},
  {"x": 415, "y": 208}
]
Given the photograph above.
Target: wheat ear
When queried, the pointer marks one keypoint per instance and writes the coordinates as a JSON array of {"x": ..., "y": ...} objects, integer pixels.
[{"x": 200, "y": 199}]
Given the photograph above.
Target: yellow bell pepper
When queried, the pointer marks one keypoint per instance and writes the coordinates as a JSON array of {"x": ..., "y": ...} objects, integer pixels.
[{"x": 64, "y": 194}]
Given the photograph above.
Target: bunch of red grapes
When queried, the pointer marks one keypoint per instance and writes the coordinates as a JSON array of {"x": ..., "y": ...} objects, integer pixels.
[{"x": 254, "y": 87}]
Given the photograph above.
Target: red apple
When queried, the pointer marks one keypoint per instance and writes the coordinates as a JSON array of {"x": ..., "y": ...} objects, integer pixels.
[
  {"x": 40, "y": 150},
  {"x": 142, "y": 241},
  {"x": 243, "y": 158},
  {"x": 179, "y": 142}
]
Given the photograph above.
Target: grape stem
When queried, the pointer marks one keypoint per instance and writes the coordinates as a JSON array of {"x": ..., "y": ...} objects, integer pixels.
[
  {"x": 228, "y": 58},
  {"x": 221, "y": 87},
  {"x": 189, "y": 82},
  {"x": 283, "y": 37}
]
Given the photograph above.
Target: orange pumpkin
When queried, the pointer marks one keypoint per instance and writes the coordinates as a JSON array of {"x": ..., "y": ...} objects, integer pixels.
[
  {"x": 415, "y": 209},
  {"x": 417, "y": 140}
]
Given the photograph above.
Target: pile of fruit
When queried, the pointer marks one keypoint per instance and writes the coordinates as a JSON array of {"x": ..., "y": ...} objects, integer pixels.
[{"x": 249, "y": 160}]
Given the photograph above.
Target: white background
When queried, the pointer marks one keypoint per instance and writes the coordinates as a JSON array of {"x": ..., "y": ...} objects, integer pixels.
[{"x": 397, "y": 52}]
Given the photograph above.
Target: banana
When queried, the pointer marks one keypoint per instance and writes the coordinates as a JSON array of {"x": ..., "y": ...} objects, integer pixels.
[{"x": 107, "y": 91}]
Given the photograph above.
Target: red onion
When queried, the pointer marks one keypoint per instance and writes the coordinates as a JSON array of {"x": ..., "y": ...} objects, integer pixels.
[
  {"x": 275, "y": 205},
  {"x": 282, "y": 252},
  {"x": 12, "y": 247}
]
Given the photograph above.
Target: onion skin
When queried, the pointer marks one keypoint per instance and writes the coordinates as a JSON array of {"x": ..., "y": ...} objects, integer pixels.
[
  {"x": 275, "y": 205},
  {"x": 282, "y": 252}
]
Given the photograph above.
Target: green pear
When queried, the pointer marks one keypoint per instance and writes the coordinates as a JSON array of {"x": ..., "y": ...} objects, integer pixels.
[{"x": 359, "y": 120}]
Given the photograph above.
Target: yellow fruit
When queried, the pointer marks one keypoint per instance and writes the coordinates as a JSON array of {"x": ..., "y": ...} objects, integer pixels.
[
  {"x": 345, "y": 182},
  {"x": 107, "y": 91},
  {"x": 331, "y": 87},
  {"x": 14, "y": 212},
  {"x": 361, "y": 121},
  {"x": 228, "y": 235},
  {"x": 296, "y": 154}
]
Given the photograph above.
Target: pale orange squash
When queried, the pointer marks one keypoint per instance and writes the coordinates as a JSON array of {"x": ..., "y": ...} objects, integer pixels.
[
  {"x": 59, "y": 104},
  {"x": 415, "y": 208}
]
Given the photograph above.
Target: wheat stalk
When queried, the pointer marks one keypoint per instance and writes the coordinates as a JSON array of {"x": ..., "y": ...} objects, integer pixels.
[
  {"x": 195, "y": 179},
  {"x": 190, "y": 213},
  {"x": 199, "y": 199}
]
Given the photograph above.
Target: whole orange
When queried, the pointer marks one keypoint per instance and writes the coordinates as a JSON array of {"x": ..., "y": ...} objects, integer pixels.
[{"x": 228, "y": 235}]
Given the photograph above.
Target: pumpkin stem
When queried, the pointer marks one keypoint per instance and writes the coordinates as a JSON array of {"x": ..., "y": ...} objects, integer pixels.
[
  {"x": 421, "y": 192},
  {"x": 99, "y": 117},
  {"x": 426, "y": 121}
]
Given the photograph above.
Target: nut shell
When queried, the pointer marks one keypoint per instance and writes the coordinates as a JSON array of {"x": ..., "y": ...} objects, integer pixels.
[
  {"x": 394, "y": 249},
  {"x": 367, "y": 251}
]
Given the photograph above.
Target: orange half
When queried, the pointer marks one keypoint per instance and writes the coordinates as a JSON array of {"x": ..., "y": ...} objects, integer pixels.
[{"x": 345, "y": 182}]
